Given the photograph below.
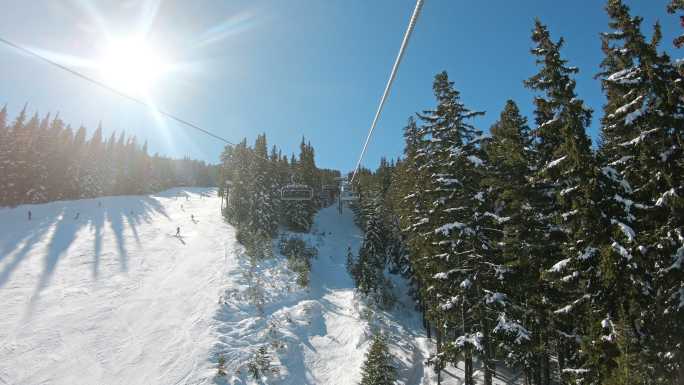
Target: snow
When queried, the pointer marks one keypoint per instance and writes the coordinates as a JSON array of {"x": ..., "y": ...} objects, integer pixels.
[
  {"x": 588, "y": 253},
  {"x": 551, "y": 121},
  {"x": 498, "y": 218},
  {"x": 622, "y": 160},
  {"x": 448, "y": 181},
  {"x": 495, "y": 297},
  {"x": 627, "y": 106},
  {"x": 569, "y": 214},
  {"x": 614, "y": 175},
  {"x": 475, "y": 160},
  {"x": 640, "y": 138},
  {"x": 564, "y": 310},
  {"x": 512, "y": 328},
  {"x": 663, "y": 198},
  {"x": 446, "y": 229},
  {"x": 568, "y": 190},
  {"x": 113, "y": 297},
  {"x": 441, "y": 275},
  {"x": 559, "y": 266},
  {"x": 474, "y": 339},
  {"x": 665, "y": 155},
  {"x": 555, "y": 162},
  {"x": 678, "y": 263},
  {"x": 621, "y": 250},
  {"x": 627, "y": 230},
  {"x": 625, "y": 76}
]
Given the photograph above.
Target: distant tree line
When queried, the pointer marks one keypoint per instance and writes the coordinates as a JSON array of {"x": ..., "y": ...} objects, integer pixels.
[
  {"x": 43, "y": 159},
  {"x": 528, "y": 246}
]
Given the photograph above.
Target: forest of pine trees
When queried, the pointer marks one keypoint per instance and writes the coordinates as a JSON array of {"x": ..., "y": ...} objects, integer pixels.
[
  {"x": 43, "y": 159},
  {"x": 255, "y": 177},
  {"x": 532, "y": 248}
]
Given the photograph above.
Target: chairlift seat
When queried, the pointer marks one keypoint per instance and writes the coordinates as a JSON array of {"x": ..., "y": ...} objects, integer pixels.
[{"x": 296, "y": 192}]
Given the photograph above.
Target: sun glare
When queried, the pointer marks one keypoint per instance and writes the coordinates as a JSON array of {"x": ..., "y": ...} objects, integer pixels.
[{"x": 131, "y": 65}]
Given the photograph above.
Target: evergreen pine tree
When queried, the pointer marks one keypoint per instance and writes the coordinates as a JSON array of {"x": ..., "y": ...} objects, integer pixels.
[
  {"x": 6, "y": 140},
  {"x": 264, "y": 221},
  {"x": 378, "y": 368},
  {"x": 368, "y": 270},
  {"x": 511, "y": 159},
  {"x": 456, "y": 220},
  {"x": 642, "y": 141}
]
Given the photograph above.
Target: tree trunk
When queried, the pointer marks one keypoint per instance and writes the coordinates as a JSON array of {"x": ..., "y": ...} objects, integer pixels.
[
  {"x": 468, "y": 368},
  {"x": 681, "y": 369},
  {"x": 546, "y": 363},
  {"x": 438, "y": 365},
  {"x": 487, "y": 354}
]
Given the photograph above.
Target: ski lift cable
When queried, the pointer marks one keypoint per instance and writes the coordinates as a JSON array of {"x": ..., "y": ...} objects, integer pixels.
[
  {"x": 393, "y": 74},
  {"x": 119, "y": 93}
]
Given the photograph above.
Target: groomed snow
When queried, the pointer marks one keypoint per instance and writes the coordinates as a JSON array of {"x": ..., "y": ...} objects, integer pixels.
[{"x": 112, "y": 297}]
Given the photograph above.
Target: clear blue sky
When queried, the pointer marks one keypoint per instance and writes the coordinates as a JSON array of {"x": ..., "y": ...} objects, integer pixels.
[{"x": 299, "y": 67}]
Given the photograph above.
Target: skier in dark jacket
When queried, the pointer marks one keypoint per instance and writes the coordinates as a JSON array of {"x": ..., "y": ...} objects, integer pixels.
[{"x": 29, "y": 215}]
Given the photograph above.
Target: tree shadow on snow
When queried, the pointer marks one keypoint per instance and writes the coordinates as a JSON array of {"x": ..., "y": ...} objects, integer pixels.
[
  {"x": 19, "y": 240},
  {"x": 65, "y": 219}
]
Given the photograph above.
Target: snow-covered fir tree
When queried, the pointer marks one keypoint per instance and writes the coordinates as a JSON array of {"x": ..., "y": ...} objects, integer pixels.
[
  {"x": 368, "y": 269},
  {"x": 642, "y": 140},
  {"x": 378, "y": 368},
  {"x": 511, "y": 161}
]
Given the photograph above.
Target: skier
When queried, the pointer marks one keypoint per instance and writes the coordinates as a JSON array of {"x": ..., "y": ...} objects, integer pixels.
[
  {"x": 99, "y": 204},
  {"x": 29, "y": 215},
  {"x": 192, "y": 217},
  {"x": 77, "y": 215},
  {"x": 178, "y": 231}
]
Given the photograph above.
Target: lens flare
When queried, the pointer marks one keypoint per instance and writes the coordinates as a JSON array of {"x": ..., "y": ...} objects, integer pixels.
[{"x": 132, "y": 65}]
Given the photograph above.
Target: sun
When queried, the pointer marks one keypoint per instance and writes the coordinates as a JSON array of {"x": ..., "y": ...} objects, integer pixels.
[{"x": 132, "y": 65}]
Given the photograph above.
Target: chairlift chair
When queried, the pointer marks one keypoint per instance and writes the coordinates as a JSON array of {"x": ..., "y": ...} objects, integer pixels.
[
  {"x": 296, "y": 192},
  {"x": 330, "y": 188},
  {"x": 347, "y": 194}
]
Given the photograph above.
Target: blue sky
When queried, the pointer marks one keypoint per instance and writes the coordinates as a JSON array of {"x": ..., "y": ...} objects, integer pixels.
[{"x": 313, "y": 68}]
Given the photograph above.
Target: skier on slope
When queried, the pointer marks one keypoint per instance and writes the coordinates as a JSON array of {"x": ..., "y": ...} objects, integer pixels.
[
  {"x": 29, "y": 215},
  {"x": 178, "y": 231},
  {"x": 77, "y": 215}
]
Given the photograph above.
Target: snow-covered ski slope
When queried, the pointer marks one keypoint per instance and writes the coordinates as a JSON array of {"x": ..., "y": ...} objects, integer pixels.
[
  {"x": 114, "y": 297},
  {"x": 111, "y": 297},
  {"x": 319, "y": 335}
]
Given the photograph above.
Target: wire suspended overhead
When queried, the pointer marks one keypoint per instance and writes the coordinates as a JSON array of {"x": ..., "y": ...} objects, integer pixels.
[
  {"x": 119, "y": 93},
  {"x": 393, "y": 74}
]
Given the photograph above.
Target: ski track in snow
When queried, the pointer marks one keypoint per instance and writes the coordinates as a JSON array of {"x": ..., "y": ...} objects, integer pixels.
[{"x": 112, "y": 297}]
